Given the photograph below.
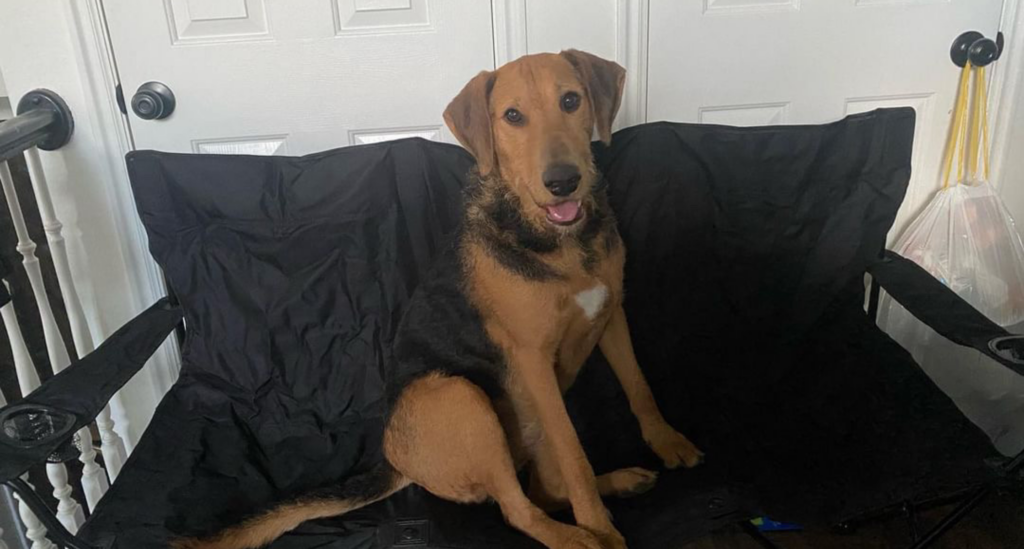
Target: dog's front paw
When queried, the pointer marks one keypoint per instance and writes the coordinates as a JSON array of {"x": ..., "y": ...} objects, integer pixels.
[
  {"x": 580, "y": 539},
  {"x": 672, "y": 447},
  {"x": 611, "y": 538}
]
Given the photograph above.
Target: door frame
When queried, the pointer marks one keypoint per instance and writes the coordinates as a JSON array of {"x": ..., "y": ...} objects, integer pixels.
[
  {"x": 1007, "y": 88},
  {"x": 97, "y": 71},
  {"x": 96, "y": 68}
]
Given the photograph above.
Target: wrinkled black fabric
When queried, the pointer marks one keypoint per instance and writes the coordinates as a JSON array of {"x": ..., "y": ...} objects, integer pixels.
[
  {"x": 939, "y": 307},
  {"x": 746, "y": 250},
  {"x": 82, "y": 389}
]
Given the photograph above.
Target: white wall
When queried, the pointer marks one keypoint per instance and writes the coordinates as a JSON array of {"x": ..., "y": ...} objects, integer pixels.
[
  {"x": 1008, "y": 117},
  {"x": 1011, "y": 178}
]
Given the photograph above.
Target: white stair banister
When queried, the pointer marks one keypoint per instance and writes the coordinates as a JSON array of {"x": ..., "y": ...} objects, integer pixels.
[
  {"x": 58, "y": 252},
  {"x": 114, "y": 449},
  {"x": 55, "y": 348},
  {"x": 69, "y": 512},
  {"x": 94, "y": 478},
  {"x": 94, "y": 482}
]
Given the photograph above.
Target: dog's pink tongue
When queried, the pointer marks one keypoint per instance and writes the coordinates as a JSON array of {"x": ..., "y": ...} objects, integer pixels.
[{"x": 563, "y": 212}]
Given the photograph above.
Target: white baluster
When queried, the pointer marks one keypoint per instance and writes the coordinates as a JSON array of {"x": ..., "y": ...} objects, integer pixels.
[
  {"x": 69, "y": 512},
  {"x": 34, "y": 530},
  {"x": 94, "y": 478},
  {"x": 28, "y": 378},
  {"x": 58, "y": 252},
  {"x": 114, "y": 448},
  {"x": 55, "y": 348}
]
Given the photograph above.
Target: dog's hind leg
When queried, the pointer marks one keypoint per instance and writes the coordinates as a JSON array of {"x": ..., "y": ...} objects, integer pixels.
[{"x": 445, "y": 436}]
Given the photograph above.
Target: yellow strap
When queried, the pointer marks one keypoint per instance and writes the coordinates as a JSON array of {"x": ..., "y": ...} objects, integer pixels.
[
  {"x": 954, "y": 134},
  {"x": 961, "y": 150},
  {"x": 974, "y": 141},
  {"x": 984, "y": 119}
]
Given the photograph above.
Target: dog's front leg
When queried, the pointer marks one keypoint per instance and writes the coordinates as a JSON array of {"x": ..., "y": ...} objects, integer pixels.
[
  {"x": 537, "y": 374},
  {"x": 670, "y": 445}
]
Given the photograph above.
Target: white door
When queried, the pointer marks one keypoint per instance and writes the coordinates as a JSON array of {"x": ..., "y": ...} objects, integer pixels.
[
  {"x": 296, "y": 76},
  {"x": 753, "y": 62}
]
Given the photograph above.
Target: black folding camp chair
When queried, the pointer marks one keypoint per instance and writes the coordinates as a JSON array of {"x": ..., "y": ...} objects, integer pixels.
[{"x": 747, "y": 250}]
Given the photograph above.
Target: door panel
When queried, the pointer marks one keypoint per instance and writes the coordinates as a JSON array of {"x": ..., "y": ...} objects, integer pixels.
[
  {"x": 292, "y": 77},
  {"x": 755, "y": 62}
]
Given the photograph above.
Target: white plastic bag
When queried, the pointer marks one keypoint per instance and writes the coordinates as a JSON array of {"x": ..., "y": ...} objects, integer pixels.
[{"x": 967, "y": 239}]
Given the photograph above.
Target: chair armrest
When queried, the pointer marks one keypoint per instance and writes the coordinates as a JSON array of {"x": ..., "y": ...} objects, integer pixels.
[
  {"x": 933, "y": 303},
  {"x": 71, "y": 399}
]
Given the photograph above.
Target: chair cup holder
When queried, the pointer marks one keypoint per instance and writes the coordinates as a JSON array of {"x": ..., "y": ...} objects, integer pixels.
[
  {"x": 1010, "y": 348},
  {"x": 68, "y": 450},
  {"x": 31, "y": 425}
]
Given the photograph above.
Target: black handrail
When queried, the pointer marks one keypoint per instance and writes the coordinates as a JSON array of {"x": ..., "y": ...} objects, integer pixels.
[{"x": 44, "y": 121}]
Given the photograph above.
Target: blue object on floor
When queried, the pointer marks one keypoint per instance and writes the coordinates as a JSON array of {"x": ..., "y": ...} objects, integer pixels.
[{"x": 765, "y": 524}]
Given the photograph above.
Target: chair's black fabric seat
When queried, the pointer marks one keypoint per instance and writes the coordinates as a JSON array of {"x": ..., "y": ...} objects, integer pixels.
[{"x": 746, "y": 251}]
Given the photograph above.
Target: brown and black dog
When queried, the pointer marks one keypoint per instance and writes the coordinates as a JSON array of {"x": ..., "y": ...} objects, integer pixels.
[{"x": 496, "y": 334}]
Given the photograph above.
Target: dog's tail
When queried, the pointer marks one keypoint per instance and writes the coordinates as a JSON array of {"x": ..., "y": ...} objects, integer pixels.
[{"x": 355, "y": 492}]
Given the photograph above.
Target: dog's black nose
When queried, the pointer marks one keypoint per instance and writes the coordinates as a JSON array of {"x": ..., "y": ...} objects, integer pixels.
[{"x": 561, "y": 179}]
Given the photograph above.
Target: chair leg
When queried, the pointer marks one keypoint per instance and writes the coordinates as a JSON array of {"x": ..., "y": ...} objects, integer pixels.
[
  {"x": 757, "y": 536},
  {"x": 951, "y": 520},
  {"x": 968, "y": 505},
  {"x": 54, "y": 528},
  {"x": 910, "y": 512}
]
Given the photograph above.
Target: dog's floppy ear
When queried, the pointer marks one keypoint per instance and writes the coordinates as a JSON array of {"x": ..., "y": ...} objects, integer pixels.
[
  {"x": 605, "y": 81},
  {"x": 469, "y": 117}
]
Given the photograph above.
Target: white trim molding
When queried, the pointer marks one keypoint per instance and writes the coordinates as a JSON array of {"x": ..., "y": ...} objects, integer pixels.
[
  {"x": 509, "y": 24},
  {"x": 1007, "y": 88},
  {"x": 112, "y": 140},
  {"x": 631, "y": 42}
]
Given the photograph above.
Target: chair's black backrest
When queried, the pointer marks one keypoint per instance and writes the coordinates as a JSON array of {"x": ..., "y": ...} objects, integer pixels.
[
  {"x": 293, "y": 271},
  {"x": 745, "y": 230}
]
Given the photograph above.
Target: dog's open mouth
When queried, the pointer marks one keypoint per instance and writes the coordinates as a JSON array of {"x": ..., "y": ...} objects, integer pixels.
[{"x": 564, "y": 213}]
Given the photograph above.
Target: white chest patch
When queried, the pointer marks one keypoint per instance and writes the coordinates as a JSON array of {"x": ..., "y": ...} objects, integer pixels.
[{"x": 592, "y": 300}]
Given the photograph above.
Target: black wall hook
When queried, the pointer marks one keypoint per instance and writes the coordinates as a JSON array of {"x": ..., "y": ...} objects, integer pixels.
[{"x": 973, "y": 46}]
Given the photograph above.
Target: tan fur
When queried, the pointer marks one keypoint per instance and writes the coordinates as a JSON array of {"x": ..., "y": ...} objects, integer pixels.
[
  {"x": 262, "y": 530},
  {"x": 446, "y": 437}
]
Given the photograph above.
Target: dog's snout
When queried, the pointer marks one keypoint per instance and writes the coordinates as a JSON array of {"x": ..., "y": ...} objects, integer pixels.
[{"x": 562, "y": 179}]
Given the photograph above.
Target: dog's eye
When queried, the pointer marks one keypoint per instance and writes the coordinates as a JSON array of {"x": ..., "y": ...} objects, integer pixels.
[
  {"x": 570, "y": 101},
  {"x": 514, "y": 117}
]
